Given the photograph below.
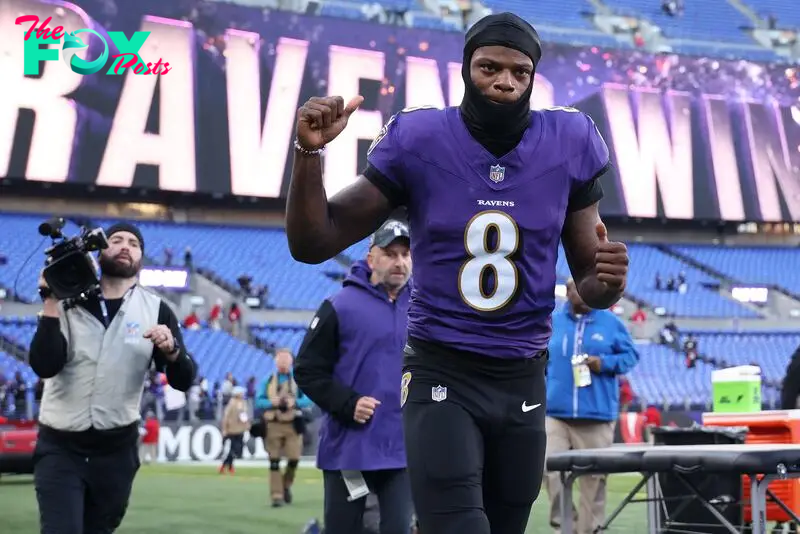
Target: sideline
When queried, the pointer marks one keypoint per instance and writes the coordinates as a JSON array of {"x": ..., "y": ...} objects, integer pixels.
[{"x": 305, "y": 462}]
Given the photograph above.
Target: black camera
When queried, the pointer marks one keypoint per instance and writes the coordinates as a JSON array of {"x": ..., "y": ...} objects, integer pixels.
[
  {"x": 70, "y": 270},
  {"x": 283, "y": 406}
]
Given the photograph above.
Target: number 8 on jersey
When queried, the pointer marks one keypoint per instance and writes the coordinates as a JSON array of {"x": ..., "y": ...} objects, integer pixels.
[{"x": 483, "y": 257}]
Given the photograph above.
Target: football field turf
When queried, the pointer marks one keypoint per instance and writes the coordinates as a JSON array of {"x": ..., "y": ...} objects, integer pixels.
[{"x": 178, "y": 499}]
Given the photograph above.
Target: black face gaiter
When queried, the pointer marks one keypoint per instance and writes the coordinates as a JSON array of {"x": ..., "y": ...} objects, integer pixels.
[{"x": 498, "y": 127}]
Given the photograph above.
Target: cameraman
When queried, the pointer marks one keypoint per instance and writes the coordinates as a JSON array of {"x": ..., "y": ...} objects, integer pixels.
[
  {"x": 94, "y": 356},
  {"x": 282, "y": 403}
]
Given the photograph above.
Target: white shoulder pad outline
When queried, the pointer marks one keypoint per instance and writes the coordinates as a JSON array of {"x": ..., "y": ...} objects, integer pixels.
[
  {"x": 567, "y": 109},
  {"x": 385, "y": 128}
]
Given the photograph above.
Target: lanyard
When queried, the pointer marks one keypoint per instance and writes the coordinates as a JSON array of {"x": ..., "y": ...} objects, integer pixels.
[
  {"x": 104, "y": 308},
  {"x": 579, "y": 329}
]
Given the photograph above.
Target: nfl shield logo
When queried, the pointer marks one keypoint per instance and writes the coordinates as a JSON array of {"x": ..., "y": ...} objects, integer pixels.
[
  {"x": 497, "y": 173},
  {"x": 438, "y": 393}
]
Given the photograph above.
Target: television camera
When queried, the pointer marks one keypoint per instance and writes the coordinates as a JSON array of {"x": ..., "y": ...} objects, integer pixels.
[{"x": 70, "y": 271}]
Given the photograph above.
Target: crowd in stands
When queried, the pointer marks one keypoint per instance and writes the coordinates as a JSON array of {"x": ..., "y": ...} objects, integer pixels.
[
  {"x": 14, "y": 396},
  {"x": 673, "y": 283},
  {"x": 232, "y": 319},
  {"x": 204, "y": 400}
]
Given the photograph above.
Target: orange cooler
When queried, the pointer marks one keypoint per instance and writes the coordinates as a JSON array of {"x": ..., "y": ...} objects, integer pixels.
[{"x": 767, "y": 427}]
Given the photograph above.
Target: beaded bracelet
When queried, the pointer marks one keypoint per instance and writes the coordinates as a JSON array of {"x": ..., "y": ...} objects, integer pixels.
[{"x": 305, "y": 151}]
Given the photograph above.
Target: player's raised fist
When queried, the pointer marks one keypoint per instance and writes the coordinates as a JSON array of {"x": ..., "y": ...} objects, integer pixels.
[
  {"x": 611, "y": 260},
  {"x": 321, "y": 120}
]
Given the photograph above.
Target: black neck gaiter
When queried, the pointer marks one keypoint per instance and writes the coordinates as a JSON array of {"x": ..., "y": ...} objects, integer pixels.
[{"x": 498, "y": 127}]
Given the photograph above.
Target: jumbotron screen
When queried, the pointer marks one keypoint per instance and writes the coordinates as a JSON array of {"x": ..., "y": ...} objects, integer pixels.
[{"x": 690, "y": 137}]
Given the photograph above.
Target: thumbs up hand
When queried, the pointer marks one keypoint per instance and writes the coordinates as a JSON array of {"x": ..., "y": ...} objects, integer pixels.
[
  {"x": 321, "y": 120},
  {"x": 602, "y": 232},
  {"x": 611, "y": 260}
]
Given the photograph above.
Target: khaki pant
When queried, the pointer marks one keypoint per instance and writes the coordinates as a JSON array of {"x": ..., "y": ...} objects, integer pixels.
[
  {"x": 561, "y": 437},
  {"x": 282, "y": 442},
  {"x": 148, "y": 452}
]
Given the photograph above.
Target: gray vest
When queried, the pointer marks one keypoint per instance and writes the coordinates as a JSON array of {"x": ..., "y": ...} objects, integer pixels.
[{"x": 101, "y": 384}]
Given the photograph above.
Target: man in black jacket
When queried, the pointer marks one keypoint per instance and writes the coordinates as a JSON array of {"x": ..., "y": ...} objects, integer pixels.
[{"x": 94, "y": 357}]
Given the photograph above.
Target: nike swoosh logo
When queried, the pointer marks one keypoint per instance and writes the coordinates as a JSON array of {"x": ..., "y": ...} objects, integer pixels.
[{"x": 526, "y": 408}]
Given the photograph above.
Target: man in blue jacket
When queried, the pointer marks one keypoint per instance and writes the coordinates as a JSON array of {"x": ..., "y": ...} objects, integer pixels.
[
  {"x": 589, "y": 350},
  {"x": 282, "y": 403},
  {"x": 350, "y": 364}
]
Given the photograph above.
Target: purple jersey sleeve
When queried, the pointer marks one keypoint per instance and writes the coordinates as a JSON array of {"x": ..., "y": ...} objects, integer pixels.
[
  {"x": 385, "y": 163},
  {"x": 595, "y": 157},
  {"x": 586, "y": 187}
]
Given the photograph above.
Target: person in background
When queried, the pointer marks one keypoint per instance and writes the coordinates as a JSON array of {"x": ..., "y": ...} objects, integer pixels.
[
  {"x": 351, "y": 364},
  {"x": 589, "y": 351},
  {"x": 790, "y": 390},
  {"x": 215, "y": 315},
  {"x": 227, "y": 387},
  {"x": 626, "y": 394},
  {"x": 19, "y": 389},
  {"x": 148, "y": 447},
  {"x": 652, "y": 419},
  {"x": 690, "y": 351},
  {"x": 193, "y": 399},
  {"x": 192, "y": 321},
  {"x": 235, "y": 318},
  {"x": 638, "y": 320},
  {"x": 235, "y": 422},
  {"x": 282, "y": 402},
  {"x": 151, "y": 397},
  {"x": 188, "y": 261}
]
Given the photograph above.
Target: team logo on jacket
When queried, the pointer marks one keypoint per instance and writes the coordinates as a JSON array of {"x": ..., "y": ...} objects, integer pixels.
[
  {"x": 404, "y": 382},
  {"x": 132, "y": 333},
  {"x": 438, "y": 393}
]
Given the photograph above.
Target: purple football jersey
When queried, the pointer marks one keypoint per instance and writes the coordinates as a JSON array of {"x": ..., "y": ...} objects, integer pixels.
[{"x": 485, "y": 230}]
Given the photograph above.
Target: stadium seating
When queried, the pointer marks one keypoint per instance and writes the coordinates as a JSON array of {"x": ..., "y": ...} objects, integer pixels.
[
  {"x": 787, "y": 13},
  {"x": 24, "y": 249},
  {"x": 10, "y": 366},
  {"x": 662, "y": 378},
  {"x": 280, "y": 335},
  {"x": 18, "y": 330},
  {"x": 564, "y": 13},
  {"x": 751, "y": 265},
  {"x": 218, "y": 353},
  {"x": 707, "y": 20},
  {"x": 696, "y": 302},
  {"x": 769, "y": 350},
  {"x": 357, "y": 251},
  {"x": 230, "y": 252}
]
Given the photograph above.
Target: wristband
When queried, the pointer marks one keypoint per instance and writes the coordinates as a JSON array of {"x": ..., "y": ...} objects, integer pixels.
[{"x": 305, "y": 151}]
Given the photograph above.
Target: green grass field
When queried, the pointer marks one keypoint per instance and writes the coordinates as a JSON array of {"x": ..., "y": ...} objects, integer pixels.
[{"x": 177, "y": 499}]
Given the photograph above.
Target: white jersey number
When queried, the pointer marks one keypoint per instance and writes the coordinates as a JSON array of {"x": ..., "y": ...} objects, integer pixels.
[{"x": 484, "y": 258}]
